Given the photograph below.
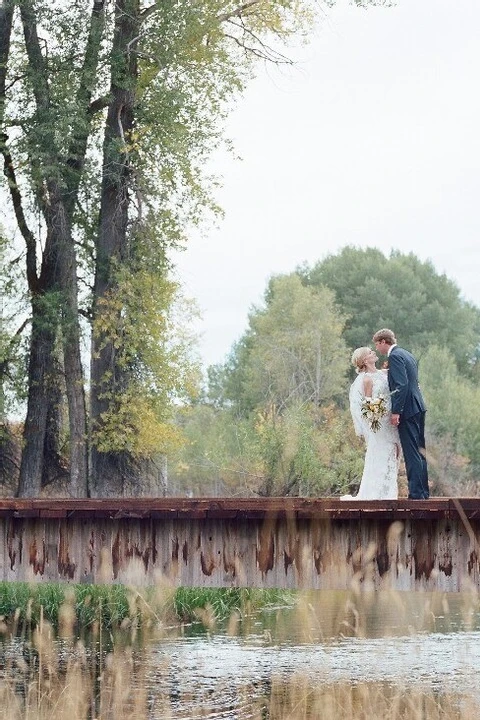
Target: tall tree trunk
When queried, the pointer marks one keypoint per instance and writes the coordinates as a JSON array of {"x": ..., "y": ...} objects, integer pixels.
[
  {"x": 54, "y": 304},
  {"x": 53, "y": 463},
  {"x": 88, "y": 79},
  {"x": 114, "y": 472},
  {"x": 42, "y": 342},
  {"x": 6, "y": 17},
  {"x": 55, "y": 314},
  {"x": 66, "y": 282},
  {"x": 42, "y": 339}
]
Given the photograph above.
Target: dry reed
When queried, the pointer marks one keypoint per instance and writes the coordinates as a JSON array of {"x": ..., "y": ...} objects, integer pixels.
[{"x": 55, "y": 676}]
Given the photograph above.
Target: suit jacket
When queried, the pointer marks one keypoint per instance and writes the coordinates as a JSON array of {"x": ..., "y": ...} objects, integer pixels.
[{"x": 406, "y": 397}]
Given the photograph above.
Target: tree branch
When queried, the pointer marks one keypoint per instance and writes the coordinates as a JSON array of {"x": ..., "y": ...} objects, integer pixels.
[
  {"x": 99, "y": 104},
  {"x": 35, "y": 57},
  {"x": 6, "y": 359},
  {"x": 264, "y": 51},
  {"x": 28, "y": 236},
  {"x": 252, "y": 50},
  {"x": 78, "y": 143},
  {"x": 241, "y": 10},
  {"x": 148, "y": 11},
  {"x": 6, "y": 17}
]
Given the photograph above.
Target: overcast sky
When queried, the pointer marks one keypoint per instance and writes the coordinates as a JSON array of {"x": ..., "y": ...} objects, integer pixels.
[{"x": 371, "y": 140}]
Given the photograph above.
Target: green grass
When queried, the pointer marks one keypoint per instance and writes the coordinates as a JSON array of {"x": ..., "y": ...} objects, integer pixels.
[
  {"x": 91, "y": 603},
  {"x": 111, "y": 605},
  {"x": 222, "y": 603}
]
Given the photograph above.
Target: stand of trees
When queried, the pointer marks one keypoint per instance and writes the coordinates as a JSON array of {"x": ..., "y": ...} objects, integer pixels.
[{"x": 108, "y": 111}]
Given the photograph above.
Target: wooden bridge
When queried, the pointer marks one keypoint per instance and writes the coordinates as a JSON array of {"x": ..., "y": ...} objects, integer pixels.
[{"x": 271, "y": 542}]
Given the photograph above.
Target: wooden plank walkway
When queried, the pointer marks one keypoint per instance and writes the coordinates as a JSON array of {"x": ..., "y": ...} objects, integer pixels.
[{"x": 246, "y": 508}]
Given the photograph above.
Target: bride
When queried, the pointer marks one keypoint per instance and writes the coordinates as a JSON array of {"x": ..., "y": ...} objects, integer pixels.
[{"x": 380, "y": 471}]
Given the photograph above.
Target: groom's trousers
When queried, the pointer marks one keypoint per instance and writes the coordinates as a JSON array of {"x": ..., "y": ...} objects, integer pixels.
[{"x": 412, "y": 438}]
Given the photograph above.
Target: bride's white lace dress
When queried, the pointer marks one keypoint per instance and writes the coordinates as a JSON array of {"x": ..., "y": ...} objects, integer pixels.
[{"x": 380, "y": 471}]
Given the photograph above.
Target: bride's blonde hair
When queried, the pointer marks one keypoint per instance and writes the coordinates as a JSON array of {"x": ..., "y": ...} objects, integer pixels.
[{"x": 358, "y": 358}]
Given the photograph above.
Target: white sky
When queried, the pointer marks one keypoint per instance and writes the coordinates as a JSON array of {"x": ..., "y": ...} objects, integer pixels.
[{"x": 372, "y": 140}]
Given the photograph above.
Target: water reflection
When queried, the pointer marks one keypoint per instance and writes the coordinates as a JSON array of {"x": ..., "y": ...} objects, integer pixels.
[
  {"x": 321, "y": 616},
  {"x": 331, "y": 655},
  {"x": 330, "y": 648}
]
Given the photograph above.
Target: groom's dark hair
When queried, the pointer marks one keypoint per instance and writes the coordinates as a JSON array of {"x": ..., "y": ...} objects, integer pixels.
[{"x": 385, "y": 334}]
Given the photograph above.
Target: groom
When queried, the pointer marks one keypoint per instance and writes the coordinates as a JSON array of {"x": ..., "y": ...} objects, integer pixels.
[{"x": 408, "y": 410}]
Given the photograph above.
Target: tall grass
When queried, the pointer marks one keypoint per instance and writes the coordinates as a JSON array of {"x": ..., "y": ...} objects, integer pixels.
[
  {"x": 113, "y": 606},
  {"x": 50, "y": 671}
]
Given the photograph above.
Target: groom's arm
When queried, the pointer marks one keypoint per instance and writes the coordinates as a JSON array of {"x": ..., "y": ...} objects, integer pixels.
[{"x": 398, "y": 382}]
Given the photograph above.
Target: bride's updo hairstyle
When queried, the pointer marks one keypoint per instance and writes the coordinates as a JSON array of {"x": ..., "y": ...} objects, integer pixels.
[{"x": 358, "y": 358}]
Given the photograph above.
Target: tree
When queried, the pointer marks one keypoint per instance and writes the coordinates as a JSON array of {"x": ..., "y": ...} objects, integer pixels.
[
  {"x": 144, "y": 87},
  {"x": 305, "y": 450},
  {"x": 45, "y": 154},
  {"x": 292, "y": 351},
  {"x": 403, "y": 293},
  {"x": 278, "y": 386},
  {"x": 453, "y": 404},
  {"x": 107, "y": 119},
  {"x": 268, "y": 425}
]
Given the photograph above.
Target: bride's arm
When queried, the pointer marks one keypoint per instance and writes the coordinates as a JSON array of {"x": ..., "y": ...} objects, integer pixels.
[
  {"x": 355, "y": 398},
  {"x": 367, "y": 386}
]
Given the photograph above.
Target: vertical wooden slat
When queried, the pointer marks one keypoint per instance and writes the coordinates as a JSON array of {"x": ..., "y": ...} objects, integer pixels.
[{"x": 301, "y": 544}]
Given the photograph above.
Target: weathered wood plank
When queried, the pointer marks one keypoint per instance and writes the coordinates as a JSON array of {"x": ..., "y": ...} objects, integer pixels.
[
  {"x": 270, "y": 542},
  {"x": 239, "y": 507}
]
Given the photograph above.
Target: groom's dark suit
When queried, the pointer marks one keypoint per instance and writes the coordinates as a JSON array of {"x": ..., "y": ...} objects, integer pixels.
[{"x": 407, "y": 401}]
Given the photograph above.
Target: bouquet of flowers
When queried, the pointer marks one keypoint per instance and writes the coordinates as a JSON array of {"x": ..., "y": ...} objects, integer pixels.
[{"x": 373, "y": 410}]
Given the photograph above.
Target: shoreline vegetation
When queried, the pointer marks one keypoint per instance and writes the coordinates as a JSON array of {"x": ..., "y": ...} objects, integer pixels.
[{"x": 113, "y": 607}]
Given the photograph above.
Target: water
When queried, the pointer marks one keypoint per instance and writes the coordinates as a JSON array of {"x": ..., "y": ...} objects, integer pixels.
[
  {"x": 214, "y": 672},
  {"x": 430, "y": 642},
  {"x": 330, "y": 650}
]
